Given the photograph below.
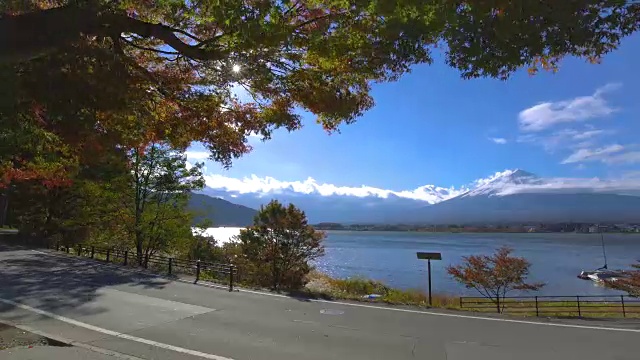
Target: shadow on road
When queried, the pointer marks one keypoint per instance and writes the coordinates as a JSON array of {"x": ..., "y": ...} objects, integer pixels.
[{"x": 58, "y": 283}]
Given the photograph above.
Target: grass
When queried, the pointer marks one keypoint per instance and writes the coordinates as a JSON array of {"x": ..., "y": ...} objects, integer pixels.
[
  {"x": 559, "y": 308},
  {"x": 356, "y": 288}
]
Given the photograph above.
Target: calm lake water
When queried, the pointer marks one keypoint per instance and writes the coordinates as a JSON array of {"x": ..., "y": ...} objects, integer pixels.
[{"x": 556, "y": 258}]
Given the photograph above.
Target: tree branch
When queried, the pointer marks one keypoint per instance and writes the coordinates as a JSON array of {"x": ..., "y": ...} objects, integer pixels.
[
  {"x": 131, "y": 43},
  {"x": 34, "y": 34}
]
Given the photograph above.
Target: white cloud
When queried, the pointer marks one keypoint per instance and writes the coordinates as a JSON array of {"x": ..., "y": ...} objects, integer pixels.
[
  {"x": 601, "y": 154},
  {"x": 254, "y": 184},
  {"x": 630, "y": 157},
  {"x": 197, "y": 155},
  {"x": 500, "y": 141},
  {"x": 587, "y": 134},
  {"x": 548, "y": 114},
  {"x": 622, "y": 186},
  {"x": 488, "y": 179},
  {"x": 628, "y": 184},
  {"x": 565, "y": 138}
]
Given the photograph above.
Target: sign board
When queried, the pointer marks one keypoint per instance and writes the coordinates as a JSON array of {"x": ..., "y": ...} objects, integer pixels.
[{"x": 429, "y": 256}]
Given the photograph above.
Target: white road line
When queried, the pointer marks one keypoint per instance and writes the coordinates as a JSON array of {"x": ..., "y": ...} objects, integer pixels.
[
  {"x": 587, "y": 327},
  {"x": 71, "y": 342},
  {"x": 115, "y": 333}
]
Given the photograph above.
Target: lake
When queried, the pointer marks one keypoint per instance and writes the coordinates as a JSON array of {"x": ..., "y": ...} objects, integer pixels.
[{"x": 556, "y": 258}]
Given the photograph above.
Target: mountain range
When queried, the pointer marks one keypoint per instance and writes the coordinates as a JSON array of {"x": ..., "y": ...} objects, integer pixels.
[
  {"x": 500, "y": 200},
  {"x": 219, "y": 212}
]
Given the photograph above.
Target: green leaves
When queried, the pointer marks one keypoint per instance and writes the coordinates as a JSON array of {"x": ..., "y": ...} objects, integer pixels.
[{"x": 280, "y": 245}]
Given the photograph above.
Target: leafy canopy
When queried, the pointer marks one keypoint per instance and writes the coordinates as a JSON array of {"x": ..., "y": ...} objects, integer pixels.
[{"x": 102, "y": 73}]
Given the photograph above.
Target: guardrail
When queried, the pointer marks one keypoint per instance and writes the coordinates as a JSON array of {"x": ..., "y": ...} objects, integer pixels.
[
  {"x": 580, "y": 305},
  {"x": 217, "y": 272}
]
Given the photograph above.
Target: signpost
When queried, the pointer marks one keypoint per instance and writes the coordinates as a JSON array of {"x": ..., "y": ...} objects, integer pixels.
[{"x": 429, "y": 256}]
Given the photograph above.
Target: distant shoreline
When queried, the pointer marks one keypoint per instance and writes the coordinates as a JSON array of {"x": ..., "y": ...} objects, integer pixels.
[{"x": 561, "y": 228}]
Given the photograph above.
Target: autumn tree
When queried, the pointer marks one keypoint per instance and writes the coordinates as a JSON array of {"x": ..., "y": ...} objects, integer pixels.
[
  {"x": 494, "y": 276},
  {"x": 280, "y": 245},
  {"x": 183, "y": 60}
]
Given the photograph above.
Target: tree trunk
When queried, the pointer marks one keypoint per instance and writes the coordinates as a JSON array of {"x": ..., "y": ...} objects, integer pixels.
[
  {"x": 4, "y": 208},
  {"x": 139, "y": 249}
]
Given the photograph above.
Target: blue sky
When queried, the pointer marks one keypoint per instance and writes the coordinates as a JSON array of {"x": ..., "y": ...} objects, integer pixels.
[{"x": 432, "y": 127}]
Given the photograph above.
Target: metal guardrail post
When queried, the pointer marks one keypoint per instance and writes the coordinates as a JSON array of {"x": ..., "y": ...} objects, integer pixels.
[
  {"x": 460, "y": 302},
  {"x": 170, "y": 265},
  {"x": 146, "y": 261},
  {"x": 537, "y": 310},
  {"x": 624, "y": 312},
  {"x": 93, "y": 251},
  {"x": 126, "y": 257},
  {"x": 231, "y": 268},
  {"x": 108, "y": 252},
  {"x": 68, "y": 249},
  {"x": 197, "y": 271},
  {"x": 579, "y": 311}
]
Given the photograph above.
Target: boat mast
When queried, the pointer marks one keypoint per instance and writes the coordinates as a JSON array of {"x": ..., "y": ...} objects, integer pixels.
[{"x": 604, "y": 253}]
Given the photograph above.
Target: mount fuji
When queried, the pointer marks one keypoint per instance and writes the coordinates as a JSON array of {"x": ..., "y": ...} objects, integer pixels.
[{"x": 520, "y": 196}]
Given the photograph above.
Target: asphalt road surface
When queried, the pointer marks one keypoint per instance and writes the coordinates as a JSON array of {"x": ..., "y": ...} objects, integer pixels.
[{"x": 132, "y": 315}]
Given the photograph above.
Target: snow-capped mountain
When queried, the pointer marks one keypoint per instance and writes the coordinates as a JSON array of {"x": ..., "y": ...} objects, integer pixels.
[
  {"x": 508, "y": 196},
  {"x": 497, "y": 185},
  {"x": 520, "y": 196}
]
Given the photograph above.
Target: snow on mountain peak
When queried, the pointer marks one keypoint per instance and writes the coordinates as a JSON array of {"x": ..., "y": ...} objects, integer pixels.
[{"x": 500, "y": 181}]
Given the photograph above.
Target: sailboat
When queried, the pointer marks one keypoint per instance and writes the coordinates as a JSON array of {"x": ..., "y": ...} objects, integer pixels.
[{"x": 602, "y": 273}]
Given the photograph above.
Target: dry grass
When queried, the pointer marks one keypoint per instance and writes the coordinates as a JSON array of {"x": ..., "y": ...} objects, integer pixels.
[{"x": 322, "y": 285}]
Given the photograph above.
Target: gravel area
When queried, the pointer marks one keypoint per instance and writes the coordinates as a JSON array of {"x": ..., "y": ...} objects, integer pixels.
[{"x": 11, "y": 337}]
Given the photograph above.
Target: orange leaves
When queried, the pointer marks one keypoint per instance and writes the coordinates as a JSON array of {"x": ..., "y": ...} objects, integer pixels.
[
  {"x": 47, "y": 177},
  {"x": 547, "y": 63},
  {"x": 495, "y": 275}
]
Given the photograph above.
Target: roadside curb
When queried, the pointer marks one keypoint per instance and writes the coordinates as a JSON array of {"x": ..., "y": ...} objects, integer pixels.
[{"x": 70, "y": 342}]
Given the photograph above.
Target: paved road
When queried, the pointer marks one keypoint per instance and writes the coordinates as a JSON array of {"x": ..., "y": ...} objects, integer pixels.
[{"x": 146, "y": 317}]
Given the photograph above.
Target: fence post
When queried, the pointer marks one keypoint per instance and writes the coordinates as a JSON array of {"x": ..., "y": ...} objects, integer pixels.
[
  {"x": 231, "y": 269},
  {"x": 537, "y": 311},
  {"x": 624, "y": 312},
  {"x": 108, "y": 252},
  {"x": 68, "y": 249},
  {"x": 579, "y": 311},
  {"x": 93, "y": 251},
  {"x": 79, "y": 249},
  {"x": 170, "y": 263},
  {"x": 146, "y": 261},
  {"x": 197, "y": 270},
  {"x": 126, "y": 257},
  {"x": 498, "y": 303},
  {"x": 460, "y": 302}
]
